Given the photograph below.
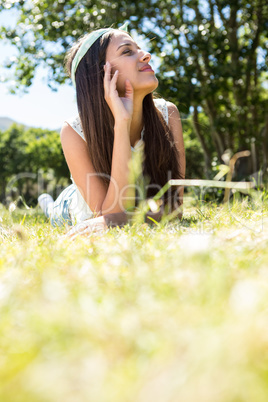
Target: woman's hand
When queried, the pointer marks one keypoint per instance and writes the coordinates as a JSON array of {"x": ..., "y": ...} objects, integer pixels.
[
  {"x": 97, "y": 225},
  {"x": 88, "y": 227},
  {"x": 121, "y": 107}
]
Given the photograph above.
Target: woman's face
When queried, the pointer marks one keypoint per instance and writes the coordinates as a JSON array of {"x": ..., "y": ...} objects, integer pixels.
[{"x": 132, "y": 63}]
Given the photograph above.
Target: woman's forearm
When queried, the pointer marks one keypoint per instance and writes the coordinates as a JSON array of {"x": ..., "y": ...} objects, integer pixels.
[
  {"x": 121, "y": 218},
  {"x": 118, "y": 189}
]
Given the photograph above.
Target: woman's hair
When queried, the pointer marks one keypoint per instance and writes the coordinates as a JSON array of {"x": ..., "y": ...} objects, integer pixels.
[{"x": 161, "y": 159}]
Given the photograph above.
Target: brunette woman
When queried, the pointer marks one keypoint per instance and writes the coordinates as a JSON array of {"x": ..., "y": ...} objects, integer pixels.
[{"x": 117, "y": 113}]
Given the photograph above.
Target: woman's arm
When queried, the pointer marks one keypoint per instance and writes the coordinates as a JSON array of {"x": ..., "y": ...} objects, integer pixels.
[
  {"x": 100, "y": 199},
  {"x": 93, "y": 190},
  {"x": 176, "y": 129},
  {"x": 102, "y": 223},
  {"x": 76, "y": 154},
  {"x": 119, "y": 184},
  {"x": 122, "y": 110}
]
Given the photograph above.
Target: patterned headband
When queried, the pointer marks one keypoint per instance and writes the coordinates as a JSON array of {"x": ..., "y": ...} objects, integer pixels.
[{"x": 88, "y": 42}]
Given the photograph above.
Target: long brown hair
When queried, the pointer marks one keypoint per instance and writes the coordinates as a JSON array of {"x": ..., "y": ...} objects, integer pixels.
[{"x": 161, "y": 159}]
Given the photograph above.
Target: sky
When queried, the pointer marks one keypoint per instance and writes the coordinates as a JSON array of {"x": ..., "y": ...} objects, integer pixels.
[{"x": 41, "y": 107}]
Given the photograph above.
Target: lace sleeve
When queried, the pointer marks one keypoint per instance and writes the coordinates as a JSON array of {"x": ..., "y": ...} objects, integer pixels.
[
  {"x": 75, "y": 123},
  {"x": 161, "y": 105}
]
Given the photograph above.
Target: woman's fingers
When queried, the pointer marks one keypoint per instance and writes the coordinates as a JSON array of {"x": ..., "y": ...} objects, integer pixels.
[
  {"x": 91, "y": 229},
  {"x": 107, "y": 76},
  {"x": 87, "y": 227},
  {"x": 106, "y": 79},
  {"x": 129, "y": 90},
  {"x": 77, "y": 229},
  {"x": 121, "y": 107},
  {"x": 109, "y": 83},
  {"x": 114, "y": 79}
]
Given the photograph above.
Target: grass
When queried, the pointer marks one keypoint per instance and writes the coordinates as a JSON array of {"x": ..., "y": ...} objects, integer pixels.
[{"x": 175, "y": 312}]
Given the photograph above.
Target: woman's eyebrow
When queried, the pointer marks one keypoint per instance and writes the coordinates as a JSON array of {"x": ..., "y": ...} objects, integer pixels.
[{"x": 129, "y": 44}]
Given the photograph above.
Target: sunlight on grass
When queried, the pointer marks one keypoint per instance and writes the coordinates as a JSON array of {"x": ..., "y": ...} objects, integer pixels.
[{"x": 173, "y": 312}]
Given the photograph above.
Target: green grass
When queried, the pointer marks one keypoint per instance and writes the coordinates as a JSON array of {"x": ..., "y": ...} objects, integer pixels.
[{"x": 167, "y": 313}]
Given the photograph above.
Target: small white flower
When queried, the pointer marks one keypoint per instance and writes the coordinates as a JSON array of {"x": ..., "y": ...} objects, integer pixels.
[
  {"x": 195, "y": 243},
  {"x": 12, "y": 207},
  {"x": 245, "y": 296}
]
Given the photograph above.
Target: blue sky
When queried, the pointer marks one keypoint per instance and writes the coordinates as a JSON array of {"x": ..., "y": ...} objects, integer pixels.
[{"x": 41, "y": 107}]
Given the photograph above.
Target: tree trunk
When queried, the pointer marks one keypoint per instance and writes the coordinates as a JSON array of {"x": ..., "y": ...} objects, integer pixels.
[
  {"x": 215, "y": 135},
  {"x": 202, "y": 141},
  {"x": 265, "y": 144}
]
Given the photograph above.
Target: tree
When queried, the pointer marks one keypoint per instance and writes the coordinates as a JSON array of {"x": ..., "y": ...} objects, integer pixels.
[
  {"x": 210, "y": 58},
  {"x": 24, "y": 154},
  {"x": 11, "y": 156},
  {"x": 212, "y": 52}
]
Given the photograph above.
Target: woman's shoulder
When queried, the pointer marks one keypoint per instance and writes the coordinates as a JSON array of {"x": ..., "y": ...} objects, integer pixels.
[
  {"x": 75, "y": 123},
  {"x": 168, "y": 109},
  {"x": 162, "y": 106},
  {"x": 160, "y": 103}
]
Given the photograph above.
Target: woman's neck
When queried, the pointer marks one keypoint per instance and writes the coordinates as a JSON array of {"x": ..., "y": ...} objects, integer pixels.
[{"x": 137, "y": 121}]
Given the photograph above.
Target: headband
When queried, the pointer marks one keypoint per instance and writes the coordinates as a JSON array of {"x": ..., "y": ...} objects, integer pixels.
[{"x": 88, "y": 42}]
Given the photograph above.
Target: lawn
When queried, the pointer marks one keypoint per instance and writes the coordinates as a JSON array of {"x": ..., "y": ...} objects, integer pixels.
[{"x": 167, "y": 313}]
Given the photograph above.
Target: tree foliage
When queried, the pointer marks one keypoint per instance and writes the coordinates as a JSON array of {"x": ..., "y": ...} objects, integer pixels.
[
  {"x": 27, "y": 156},
  {"x": 213, "y": 58}
]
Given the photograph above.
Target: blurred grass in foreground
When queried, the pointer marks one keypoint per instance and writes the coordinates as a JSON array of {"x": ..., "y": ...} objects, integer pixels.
[{"x": 174, "y": 312}]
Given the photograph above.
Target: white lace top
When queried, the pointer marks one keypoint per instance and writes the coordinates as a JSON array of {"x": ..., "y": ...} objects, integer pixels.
[{"x": 79, "y": 210}]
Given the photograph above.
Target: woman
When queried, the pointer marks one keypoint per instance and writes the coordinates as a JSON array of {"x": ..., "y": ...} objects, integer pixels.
[{"x": 114, "y": 84}]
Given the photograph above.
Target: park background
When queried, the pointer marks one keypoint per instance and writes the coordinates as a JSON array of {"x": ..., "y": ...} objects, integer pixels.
[
  {"x": 175, "y": 311},
  {"x": 210, "y": 58}
]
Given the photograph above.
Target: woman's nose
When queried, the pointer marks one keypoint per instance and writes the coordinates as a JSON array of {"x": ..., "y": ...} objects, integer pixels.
[{"x": 145, "y": 56}]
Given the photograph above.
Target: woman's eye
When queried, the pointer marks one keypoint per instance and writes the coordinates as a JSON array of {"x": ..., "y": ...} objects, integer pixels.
[{"x": 127, "y": 51}]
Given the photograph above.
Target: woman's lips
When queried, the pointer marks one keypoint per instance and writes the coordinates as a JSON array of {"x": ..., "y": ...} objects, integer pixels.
[{"x": 147, "y": 68}]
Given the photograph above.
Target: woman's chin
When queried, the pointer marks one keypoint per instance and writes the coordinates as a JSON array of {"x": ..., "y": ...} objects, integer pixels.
[
  {"x": 156, "y": 83},
  {"x": 153, "y": 87},
  {"x": 150, "y": 86}
]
